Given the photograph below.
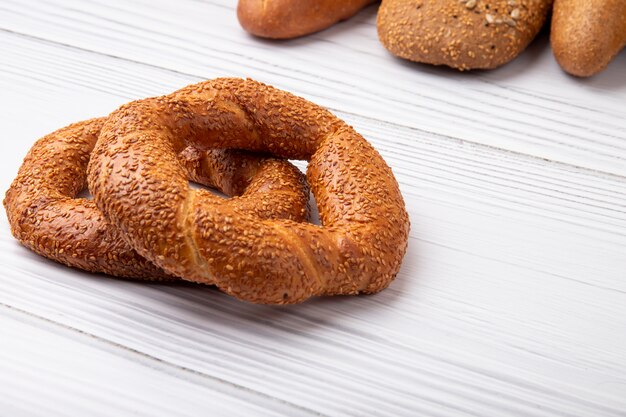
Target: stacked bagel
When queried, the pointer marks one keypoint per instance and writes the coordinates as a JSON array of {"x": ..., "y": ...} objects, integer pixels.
[
  {"x": 146, "y": 222},
  {"x": 463, "y": 34}
]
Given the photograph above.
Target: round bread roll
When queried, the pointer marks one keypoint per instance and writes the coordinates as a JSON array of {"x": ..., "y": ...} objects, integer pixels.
[{"x": 468, "y": 34}]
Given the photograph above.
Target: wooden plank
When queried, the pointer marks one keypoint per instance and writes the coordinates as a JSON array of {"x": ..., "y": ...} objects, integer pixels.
[
  {"x": 529, "y": 106},
  {"x": 510, "y": 301},
  {"x": 438, "y": 349},
  {"x": 79, "y": 374}
]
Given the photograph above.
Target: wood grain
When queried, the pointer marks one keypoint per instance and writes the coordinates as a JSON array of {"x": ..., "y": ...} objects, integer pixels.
[
  {"x": 511, "y": 300},
  {"x": 530, "y": 106}
]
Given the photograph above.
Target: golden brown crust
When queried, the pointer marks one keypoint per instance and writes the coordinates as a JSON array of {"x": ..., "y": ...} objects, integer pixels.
[
  {"x": 467, "y": 34},
  {"x": 587, "y": 34},
  {"x": 46, "y": 216},
  {"x": 283, "y": 19},
  {"x": 133, "y": 176}
]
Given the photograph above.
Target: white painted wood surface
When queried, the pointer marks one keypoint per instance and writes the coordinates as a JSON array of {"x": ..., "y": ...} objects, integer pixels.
[{"x": 512, "y": 297}]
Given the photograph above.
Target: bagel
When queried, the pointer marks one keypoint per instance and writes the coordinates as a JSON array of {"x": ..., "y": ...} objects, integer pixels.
[
  {"x": 587, "y": 34},
  {"x": 462, "y": 34},
  {"x": 283, "y": 19},
  {"x": 46, "y": 216},
  {"x": 133, "y": 176}
]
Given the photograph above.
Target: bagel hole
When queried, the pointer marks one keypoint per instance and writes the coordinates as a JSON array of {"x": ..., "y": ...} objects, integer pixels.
[
  {"x": 85, "y": 194},
  {"x": 315, "y": 214},
  {"x": 301, "y": 165},
  {"x": 198, "y": 186}
]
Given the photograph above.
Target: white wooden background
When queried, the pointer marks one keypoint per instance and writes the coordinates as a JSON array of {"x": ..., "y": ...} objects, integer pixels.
[{"x": 512, "y": 297}]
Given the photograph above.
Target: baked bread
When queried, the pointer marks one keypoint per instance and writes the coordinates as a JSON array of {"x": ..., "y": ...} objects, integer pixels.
[
  {"x": 284, "y": 19},
  {"x": 46, "y": 216},
  {"x": 140, "y": 188},
  {"x": 468, "y": 34},
  {"x": 587, "y": 34}
]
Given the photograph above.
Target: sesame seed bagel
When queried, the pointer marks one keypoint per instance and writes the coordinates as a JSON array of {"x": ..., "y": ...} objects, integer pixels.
[
  {"x": 587, "y": 34},
  {"x": 133, "y": 175},
  {"x": 46, "y": 216},
  {"x": 466, "y": 34},
  {"x": 283, "y": 19}
]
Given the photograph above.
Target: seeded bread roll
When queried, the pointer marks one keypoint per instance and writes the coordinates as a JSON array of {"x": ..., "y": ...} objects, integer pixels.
[
  {"x": 587, "y": 34},
  {"x": 467, "y": 34},
  {"x": 283, "y": 19}
]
